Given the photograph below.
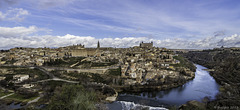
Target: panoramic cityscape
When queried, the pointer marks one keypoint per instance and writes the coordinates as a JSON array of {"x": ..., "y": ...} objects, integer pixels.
[{"x": 119, "y": 55}]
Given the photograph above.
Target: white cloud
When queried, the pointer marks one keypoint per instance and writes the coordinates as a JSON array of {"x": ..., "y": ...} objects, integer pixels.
[
  {"x": 159, "y": 19},
  {"x": 13, "y": 14},
  {"x": 20, "y": 32},
  {"x": 17, "y": 31},
  {"x": 155, "y": 18},
  {"x": 26, "y": 37},
  {"x": 230, "y": 41}
]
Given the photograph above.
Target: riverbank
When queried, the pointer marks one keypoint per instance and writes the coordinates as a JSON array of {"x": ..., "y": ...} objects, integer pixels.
[
  {"x": 226, "y": 73},
  {"x": 147, "y": 88},
  {"x": 197, "y": 89},
  {"x": 158, "y": 86},
  {"x": 16, "y": 101}
]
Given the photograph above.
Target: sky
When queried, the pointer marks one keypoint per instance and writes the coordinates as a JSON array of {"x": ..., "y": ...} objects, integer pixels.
[{"x": 178, "y": 24}]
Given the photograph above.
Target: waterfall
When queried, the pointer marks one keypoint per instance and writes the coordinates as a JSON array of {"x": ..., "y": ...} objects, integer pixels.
[{"x": 132, "y": 106}]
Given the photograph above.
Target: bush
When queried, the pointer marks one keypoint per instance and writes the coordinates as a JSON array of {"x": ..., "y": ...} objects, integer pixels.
[
  {"x": 72, "y": 97},
  {"x": 115, "y": 72},
  {"x": 184, "y": 63}
]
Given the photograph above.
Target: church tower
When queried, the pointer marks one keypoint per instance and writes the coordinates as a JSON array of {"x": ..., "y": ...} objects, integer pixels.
[{"x": 98, "y": 45}]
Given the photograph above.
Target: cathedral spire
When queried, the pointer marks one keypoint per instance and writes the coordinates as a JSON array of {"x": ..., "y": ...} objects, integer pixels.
[{"x": 98, "y": 45}]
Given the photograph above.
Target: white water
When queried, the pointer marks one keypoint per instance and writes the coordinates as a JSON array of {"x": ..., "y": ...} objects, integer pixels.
[{"x": 124, "y": 105}]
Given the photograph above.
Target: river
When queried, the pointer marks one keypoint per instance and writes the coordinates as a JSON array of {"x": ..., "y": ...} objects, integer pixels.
[{"x": 201, "y": 86}]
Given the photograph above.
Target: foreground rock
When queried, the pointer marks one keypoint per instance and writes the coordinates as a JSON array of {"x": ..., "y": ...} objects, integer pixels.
[{"x": 192, "y": 105}]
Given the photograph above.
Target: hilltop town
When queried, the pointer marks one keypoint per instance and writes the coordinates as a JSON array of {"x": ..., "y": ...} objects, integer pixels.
[{"x": 134, "y": 69}]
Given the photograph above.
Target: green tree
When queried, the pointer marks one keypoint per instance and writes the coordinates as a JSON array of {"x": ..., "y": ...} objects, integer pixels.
[
  {"x": 72, "y": 97},
  {"x": 84, "y": 101}
]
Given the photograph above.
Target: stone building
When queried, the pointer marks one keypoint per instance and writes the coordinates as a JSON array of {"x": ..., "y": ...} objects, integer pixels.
[
  {"x": 80, "y": 51},
  {"x": 146, "y": 45},
  {"x": 19, "y": 78},
  {"x": 83, "y": 52}
]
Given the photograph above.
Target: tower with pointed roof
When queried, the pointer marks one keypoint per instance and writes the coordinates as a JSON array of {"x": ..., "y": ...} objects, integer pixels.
[{"x": 98, "y": 45}]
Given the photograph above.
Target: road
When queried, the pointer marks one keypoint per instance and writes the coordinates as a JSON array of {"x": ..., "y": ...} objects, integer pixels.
[
  {"x": 57, "y": 79},
  {"x": 6, "y": 96},
  {"x": 34, "y": 100},
  {"x": 52, "y": 77}
]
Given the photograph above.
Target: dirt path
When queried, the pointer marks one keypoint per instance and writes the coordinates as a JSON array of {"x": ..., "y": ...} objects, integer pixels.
[{"x": 6, "y": 96}]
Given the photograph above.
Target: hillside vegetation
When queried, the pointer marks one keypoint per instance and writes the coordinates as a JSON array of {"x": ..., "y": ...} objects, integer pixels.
[{"x": 226, "y": 64}]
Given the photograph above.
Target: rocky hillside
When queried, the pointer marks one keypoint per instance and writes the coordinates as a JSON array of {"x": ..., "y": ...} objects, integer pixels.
[{"x": 226, "y": 66}]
